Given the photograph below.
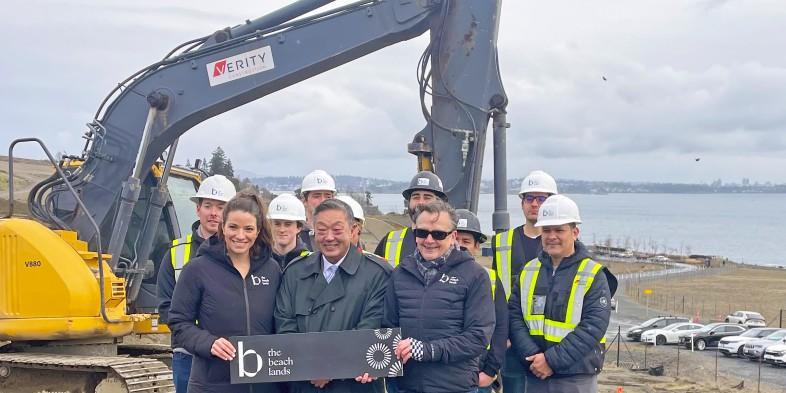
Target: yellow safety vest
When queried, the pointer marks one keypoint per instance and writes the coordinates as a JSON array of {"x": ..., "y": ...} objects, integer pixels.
[
  {"x": 493, "y": 278},
  {"x": 552, "y": 330},
  {"x": 180, "y": 254},
  {"x": 394, "y": 242},
  {"x": 503, "y": 256}
]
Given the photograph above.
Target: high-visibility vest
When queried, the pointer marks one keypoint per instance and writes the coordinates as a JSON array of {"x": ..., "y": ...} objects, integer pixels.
[
  {"x": 180, "y": 253},
  {"x": 503, "y": 244},
  {"x": 553, "y": 330},
  {"x": 493, "y": 278},
  {"x": 393, "y": 246}
]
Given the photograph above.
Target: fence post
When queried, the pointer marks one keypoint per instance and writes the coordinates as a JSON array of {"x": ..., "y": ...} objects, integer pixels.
[
  {"x": 716, "y": 366},
  {"x": 683, "y": 304},
  {"x": 780, "y": 322},
  {"x": 758, "y": 385},
  {"x": 678, "y": 360},
  {"x": 619, "y": 338}
]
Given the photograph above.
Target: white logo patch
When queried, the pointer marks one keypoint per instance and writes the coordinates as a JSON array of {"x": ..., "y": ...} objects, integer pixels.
[
  {"x": 604, "y": 302},
  {"x": 422, "y": 181},
  {"x": 462, "y": 223},
  {"x": 240, "y": 66},
  {"x": 261, "y": 280},
  {"x": 445, "y": 279}
]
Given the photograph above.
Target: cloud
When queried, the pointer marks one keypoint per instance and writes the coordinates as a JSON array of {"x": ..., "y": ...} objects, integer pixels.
[{"x": 677, "y": 86}]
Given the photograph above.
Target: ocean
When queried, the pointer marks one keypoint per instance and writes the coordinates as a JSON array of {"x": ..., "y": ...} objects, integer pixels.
[{"x": 747, "y": 228}]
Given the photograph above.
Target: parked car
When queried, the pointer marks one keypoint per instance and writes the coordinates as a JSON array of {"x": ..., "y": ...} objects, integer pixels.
[
  {"x": 754, "y": 350},
  {"x": 747, "y": 318},
  {"x": 710, "y": 335},
  {"x": 669, "y": 334},
  {"x": 776, "y": 354},
  {"x": 733, "y": 345},
  {"x": 635, "y": 332}
]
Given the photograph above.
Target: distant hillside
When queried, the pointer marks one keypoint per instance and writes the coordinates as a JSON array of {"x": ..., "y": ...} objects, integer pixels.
[
  {"x": 383, "y": 186},
  {"x": 343, "y": 183}
]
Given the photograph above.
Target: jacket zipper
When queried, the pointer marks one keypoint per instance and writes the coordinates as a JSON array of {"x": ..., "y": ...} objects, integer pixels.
[{"x": 248, "y": 321}]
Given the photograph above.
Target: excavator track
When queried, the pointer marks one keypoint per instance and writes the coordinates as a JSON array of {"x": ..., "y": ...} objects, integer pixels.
[{"x": 48, "y": 373}]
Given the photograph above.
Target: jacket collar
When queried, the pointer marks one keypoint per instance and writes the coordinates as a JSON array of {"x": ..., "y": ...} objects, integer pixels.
[
  {"x": 457, "y": 257},
  {"x": 349, "y": 265}
]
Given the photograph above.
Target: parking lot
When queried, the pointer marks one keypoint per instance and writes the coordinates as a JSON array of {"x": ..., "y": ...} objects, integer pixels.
[{"x": 700, "y": 365}]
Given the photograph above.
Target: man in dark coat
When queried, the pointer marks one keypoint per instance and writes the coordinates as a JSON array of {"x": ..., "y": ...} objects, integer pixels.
[
  {"x": 336, "y": 288},
  {"x": 441, "y": 299},
  {"x": 560, "y": 307}
]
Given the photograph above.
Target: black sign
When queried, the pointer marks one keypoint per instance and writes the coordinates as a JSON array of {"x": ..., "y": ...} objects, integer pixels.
[{"x": 309, "y": 356}]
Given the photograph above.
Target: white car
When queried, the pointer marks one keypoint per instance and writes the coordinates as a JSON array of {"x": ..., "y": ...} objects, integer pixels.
[
  {"x": 747, "y": 318},
  {"x": 669, "y": 334},
  {"x": 776, "y": 354},
  {"x": 733, "y": 345}
]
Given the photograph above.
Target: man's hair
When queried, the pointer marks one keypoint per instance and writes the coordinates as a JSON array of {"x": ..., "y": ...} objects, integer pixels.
[
  {"x": 436, "y": 207},
  {"x": 335, "y": 204}
]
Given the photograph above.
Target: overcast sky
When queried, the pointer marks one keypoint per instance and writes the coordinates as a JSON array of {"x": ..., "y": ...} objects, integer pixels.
[{"x": 685, "y": 79}]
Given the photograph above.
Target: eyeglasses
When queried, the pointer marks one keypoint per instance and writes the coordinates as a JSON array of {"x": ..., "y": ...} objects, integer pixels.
[
  {"x": 437, "y": 235},
  {"x": 532, "y": 198}
]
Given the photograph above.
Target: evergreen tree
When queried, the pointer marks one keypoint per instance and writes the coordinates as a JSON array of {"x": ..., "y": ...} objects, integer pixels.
[{"x": 218, "y": 163}]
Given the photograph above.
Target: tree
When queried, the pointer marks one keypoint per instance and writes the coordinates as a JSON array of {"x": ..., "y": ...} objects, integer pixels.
[{"x": 220, "y": 164}]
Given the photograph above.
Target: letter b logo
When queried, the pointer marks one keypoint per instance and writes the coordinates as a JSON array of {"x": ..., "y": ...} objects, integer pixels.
[{"x": 241, "y": 362}]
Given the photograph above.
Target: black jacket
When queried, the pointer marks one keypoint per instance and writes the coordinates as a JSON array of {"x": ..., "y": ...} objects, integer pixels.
[
  {"x": 299, "y": 250},
  {"x": 453, "y": 316},
  {"x": 491, "y": 361},
  {"x": 354, "y": 299},
  {"x": 212, "y": 291},
  {"x": 166, "y": 275},
  {"x": 581, "y": 351},
  {"x": 306, "y": 237},
  {"x": 524, "y": 249}
]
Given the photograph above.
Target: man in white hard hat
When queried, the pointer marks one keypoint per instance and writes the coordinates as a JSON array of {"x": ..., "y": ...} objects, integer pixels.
[
  {"x": 470, "y": 237},
  {"x": 560, "y": 307},
  {"x": 287, "y": 216},
  {"x": 211, "y": 197},
  {"x": 317, "y": 186},
  {"x": 512, "y": 249},
  {"x": 424, "y": 187},
  {"x": 360, "y": 218}
]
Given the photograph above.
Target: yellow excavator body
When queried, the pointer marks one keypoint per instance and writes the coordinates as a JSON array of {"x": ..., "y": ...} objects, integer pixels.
[{"x": 49, "y": 287}]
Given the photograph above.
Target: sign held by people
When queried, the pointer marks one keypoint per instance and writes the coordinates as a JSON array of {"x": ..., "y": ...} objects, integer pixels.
[{"x": 310, "y": 356}]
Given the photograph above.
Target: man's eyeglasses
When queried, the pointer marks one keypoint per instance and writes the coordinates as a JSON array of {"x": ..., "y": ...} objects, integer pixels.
[
  {"x": 532, "y": 198},
  {"x": 437, "y": 235}
]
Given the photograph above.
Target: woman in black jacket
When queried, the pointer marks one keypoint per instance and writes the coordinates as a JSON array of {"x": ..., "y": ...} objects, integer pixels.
[{"x": 230, "y": 289}]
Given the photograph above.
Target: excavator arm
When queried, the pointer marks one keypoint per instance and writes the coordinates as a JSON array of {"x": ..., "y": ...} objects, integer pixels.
[{"x": 234, "y": 66}]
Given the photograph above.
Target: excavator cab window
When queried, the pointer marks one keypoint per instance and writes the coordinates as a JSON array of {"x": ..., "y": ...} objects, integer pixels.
[{"x": 180, "y": 189}]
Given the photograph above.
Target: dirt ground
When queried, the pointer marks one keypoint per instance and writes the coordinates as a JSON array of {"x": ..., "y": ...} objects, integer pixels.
[
  {"x": 27, "y": 173},
  {"x": 715, "y": 296}
]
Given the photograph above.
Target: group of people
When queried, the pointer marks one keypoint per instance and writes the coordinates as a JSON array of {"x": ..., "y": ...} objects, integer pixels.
[{"x": 537, "y": 316}]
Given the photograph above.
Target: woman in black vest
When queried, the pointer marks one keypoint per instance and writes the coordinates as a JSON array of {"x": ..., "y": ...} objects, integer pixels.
[{"x": 230, "y": 288}]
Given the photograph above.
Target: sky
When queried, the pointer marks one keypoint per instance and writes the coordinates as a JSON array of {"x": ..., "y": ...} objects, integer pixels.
[{"x": 685, "y": 79}]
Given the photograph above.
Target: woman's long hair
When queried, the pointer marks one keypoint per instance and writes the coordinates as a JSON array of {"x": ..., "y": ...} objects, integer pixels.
[{"x": 250, "y": 202}]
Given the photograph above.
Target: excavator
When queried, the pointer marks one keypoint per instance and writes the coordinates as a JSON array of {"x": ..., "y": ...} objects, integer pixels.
[{"x": 79, "y": 274}]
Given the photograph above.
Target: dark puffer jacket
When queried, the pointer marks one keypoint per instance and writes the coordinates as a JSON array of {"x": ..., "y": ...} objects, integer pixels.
[
  {"x": 210, "y": 290},
  {"x": 580, "y": 352},
  {"x": 453, "y": 316}
]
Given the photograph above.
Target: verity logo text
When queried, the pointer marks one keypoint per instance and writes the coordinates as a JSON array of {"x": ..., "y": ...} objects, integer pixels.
[{"x": 240, "y": 66}]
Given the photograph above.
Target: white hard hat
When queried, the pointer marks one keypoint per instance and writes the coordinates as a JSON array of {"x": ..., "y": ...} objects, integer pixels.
[
  {"x": 318, "y": 180},
  {"x": 357, "y": 210},
  {"x": 558, "y": 210},
  {"x": 286, "y": 207},
  {"x": 215, "y": 187},
  {"x": 538, "y": 181}
]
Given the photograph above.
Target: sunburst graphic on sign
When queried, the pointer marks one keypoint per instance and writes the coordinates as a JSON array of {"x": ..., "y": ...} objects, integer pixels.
[
  {"x": 395, "y": 369},
  {"x": 396, "y": 340},
  {"x": 378, "y": 356},
  {"x": 383, "y": 334}
]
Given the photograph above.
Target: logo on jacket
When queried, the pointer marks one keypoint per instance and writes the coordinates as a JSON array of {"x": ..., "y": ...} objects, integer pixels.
[
  {"x": 261, "y": 280},
  {"x": 445, "y": 279},
  {"x": 604, "y": 302}
]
